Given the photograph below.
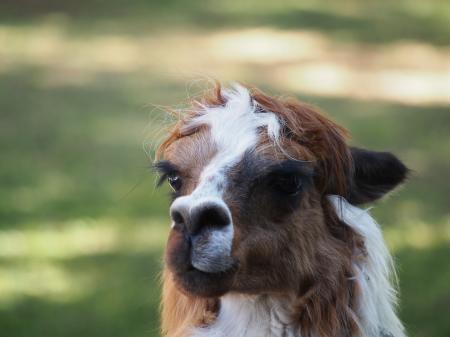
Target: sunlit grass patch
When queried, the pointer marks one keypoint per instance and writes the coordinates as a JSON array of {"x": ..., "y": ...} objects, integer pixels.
[
  {"x": 33, "y": 260},
  {"x": 417, "y": 234},
  {"x": 68, "y": 239},
  {"x": 306, "y": 60},
  {"x": 41, "y": 279}
]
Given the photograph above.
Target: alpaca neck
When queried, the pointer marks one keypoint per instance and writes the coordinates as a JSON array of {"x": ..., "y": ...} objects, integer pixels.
[
  {"x": 378, "y": 298},
  {"x": 248, "y": 316}
]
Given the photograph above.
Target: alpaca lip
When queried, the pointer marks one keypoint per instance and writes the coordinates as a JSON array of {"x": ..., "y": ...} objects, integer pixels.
[
  {"x": 205, "y": 282},
  {"x": 203, "y": 252},
  {"x": 210, "y": 251},
  {"x": 231, "y": 269},
  {"x": 192, "y": 281}
]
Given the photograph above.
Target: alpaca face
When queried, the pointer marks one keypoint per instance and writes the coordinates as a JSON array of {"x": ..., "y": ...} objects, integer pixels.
[
  {"x": 249, "y": 212},
  {"x": 233, "y": 224}
]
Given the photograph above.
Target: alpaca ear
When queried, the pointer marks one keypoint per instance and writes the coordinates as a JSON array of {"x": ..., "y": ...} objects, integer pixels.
[{"x": 374, "y": 175}]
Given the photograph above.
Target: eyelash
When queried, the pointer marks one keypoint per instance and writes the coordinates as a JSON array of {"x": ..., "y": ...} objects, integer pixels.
[
  {"x": 168, "y": 173},
  {"x": 175, "y": 182},
  {"x": 290, "y": 178}
]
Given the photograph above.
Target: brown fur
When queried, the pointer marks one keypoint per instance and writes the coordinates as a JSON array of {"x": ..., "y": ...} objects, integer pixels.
[
  {"x": 180, "y": 312},
  {"x": 316, "y": 275}
]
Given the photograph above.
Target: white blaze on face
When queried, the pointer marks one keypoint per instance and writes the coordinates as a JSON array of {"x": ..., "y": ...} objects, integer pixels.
[{"x": 234, "y": 129}]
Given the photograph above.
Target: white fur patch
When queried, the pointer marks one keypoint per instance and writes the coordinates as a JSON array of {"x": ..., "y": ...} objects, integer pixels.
[
  {"x": 234, "y": 130},
  {"x": 213, "y": 255},
  {"x": 378, "y": 296},
  {"x": 247, "y": 316}
]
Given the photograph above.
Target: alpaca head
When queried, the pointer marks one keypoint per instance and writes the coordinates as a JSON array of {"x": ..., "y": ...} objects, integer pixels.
[{"x": 250, "y": 213}]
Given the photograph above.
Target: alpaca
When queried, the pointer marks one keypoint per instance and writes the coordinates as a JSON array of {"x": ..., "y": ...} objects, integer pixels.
[{"x": 266, "y": 237}]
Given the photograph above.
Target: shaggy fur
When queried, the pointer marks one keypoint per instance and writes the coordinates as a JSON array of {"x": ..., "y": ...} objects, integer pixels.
[{"x": 301, "y": 262}]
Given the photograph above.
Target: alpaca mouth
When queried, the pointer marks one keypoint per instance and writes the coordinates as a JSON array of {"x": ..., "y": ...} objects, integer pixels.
[
  {"x": 209, "y": 251},
  {"x": 199, "y": 266}
]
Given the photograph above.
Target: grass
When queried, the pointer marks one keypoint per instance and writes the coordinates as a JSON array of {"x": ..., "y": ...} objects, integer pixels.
[
  {"x": 365, "y": 21},
  {"x": 82, "y": 227}
]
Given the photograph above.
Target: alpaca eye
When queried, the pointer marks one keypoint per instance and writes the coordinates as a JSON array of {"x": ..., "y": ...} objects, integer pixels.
[
  {"x": 290, "y": 184},
  {"x": 174, "y": 182}
]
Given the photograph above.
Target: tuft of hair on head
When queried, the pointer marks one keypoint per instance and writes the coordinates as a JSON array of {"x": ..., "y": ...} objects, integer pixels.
[
  {"x": 326, "y": 140},
  {"x": 356, "y": 174},
  {"x": 301, "y": 123}
]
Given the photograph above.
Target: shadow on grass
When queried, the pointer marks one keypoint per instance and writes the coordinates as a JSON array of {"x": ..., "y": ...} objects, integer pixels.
[
  {"x": 124, "y": 297},
  {"x": 123, "y": 301},
  {"x": 425, "y": 293},
  {"x": 71, "y": 152},
  {"x": 364, "y": 21}
]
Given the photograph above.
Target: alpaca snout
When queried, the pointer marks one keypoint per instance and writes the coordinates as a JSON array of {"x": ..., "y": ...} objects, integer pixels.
[{"x": 211, "y": 250}]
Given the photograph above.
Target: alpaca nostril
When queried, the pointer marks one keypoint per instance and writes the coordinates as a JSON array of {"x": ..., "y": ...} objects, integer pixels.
[
  {"x": 193, "y": 215},
  {"x": 177, "y": 217},
  {"x": 208, "y": 215},
  {"x": 180, "y": 216}
]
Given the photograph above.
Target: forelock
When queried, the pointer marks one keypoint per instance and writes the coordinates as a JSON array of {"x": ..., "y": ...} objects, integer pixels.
[
  {"x": 234, "y": 118},
  {"x": 238, "y": 114}
]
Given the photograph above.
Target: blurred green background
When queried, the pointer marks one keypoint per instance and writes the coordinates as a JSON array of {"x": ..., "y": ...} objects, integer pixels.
[{"x": 82, "y": 90}]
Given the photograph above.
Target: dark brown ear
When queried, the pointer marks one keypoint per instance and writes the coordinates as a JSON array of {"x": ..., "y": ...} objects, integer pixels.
[{"x": 374, "y": 175}]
